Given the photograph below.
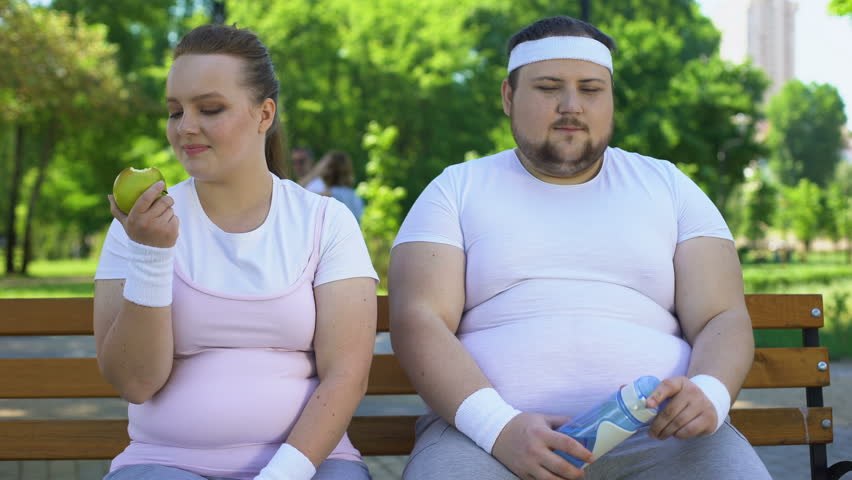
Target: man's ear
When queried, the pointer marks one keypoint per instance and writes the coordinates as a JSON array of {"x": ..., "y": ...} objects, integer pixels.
[
  {"x": 267, "y": 115},
  {"x": 506, "y": 92}
]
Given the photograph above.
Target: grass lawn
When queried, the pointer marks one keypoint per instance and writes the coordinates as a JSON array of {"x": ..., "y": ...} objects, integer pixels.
[{"x": 63, "y": 278}]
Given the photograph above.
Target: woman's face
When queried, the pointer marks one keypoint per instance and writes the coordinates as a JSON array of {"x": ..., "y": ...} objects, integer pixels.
[{"x": 215, "y": 126}]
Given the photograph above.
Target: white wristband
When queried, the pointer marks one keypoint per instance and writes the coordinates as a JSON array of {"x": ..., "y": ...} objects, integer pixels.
[
  {"x": 718, "y": 394},
  {"x": 483, "y": 415},
  {"x": 288, "y": 463},
  {"x": 149, "y": 275}
]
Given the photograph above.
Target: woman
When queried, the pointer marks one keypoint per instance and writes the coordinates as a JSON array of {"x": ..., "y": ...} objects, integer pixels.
[
  {"x": 236, "y": 314},
  {"x": 339, "y": 177}
]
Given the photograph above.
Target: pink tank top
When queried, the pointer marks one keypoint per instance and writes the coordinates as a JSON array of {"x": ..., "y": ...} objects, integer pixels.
[{"x": 244, "y": 369}]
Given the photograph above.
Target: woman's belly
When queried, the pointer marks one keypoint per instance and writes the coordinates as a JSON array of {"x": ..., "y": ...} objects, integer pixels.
[{"x": 227, "y": 397}]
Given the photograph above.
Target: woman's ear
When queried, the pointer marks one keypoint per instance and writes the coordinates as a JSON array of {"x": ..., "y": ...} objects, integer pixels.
[{"x": 267, "y": 115}]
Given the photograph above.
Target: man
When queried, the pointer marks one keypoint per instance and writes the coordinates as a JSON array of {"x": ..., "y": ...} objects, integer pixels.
[
  {"x": 527, "y": 286},
  {"x": 306, "y": 173}
]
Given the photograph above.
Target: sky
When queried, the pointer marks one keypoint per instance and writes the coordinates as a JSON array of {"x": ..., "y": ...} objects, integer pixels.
[{"x": 823, "y": 46}]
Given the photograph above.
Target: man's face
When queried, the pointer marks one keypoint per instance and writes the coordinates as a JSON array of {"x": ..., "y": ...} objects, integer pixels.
[
  {"x": 302, "y": 162},
  {"x": 562, "y": 117}
]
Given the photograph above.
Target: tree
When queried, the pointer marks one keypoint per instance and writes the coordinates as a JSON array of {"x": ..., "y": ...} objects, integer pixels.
[
  {"x": 800, "y": 211},
  {"x": 716, "y": 107},
  {"x": 761, "y": 198},
  {"x": 383, "y": 213},
  {"x": 839, "y": 206},
  {"x": 805, "y": 136},
  {"x": 840, "y": 7},
  {"x": 64, "y": 77}
]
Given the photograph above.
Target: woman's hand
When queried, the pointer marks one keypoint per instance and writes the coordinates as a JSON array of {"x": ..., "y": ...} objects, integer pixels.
[{"x": 152, "y": 220}]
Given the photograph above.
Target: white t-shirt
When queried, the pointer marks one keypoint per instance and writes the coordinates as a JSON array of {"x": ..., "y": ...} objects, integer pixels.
[
  {"x": 317, "y": 185},
  {"x": 569, "y": 289},
  {"x": 263, "y": 261}
]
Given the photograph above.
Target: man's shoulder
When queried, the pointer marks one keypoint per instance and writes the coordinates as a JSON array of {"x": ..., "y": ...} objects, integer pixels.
[
  {"x": 490, "y": 163},
  {"x": 641, "y": 163},
  {"x": 628, "y": 156}
]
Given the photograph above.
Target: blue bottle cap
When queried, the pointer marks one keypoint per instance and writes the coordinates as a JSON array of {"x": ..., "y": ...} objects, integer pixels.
[
  {"x": 646, "y": 385},
  {"x": 634, "y": 397}
]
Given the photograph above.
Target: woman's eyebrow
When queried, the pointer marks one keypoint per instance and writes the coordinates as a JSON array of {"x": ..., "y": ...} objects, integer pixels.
[{"x": 196, "y": 98}]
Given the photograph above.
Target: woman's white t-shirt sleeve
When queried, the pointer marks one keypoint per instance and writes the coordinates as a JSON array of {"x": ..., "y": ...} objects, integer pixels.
[
  {"x": 343, "y": 252},
  {"x": 113, "y": 261},
  {"x": 434, "y": 217},
  {"x": 697, "y": 216}
]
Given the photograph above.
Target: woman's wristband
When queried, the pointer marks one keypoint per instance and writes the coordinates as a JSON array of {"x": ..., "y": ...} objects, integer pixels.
[
  {"x": 149, "y": 275},
  {"x": 483, "y": 415},
  {"x": 718, "y": 395},
  {"x": 288, "y": 463}
]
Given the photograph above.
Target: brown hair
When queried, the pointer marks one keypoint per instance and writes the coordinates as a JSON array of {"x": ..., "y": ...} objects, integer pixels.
[
  {"x": 561, "y": 26},
  {"x": 339, "y": 171},
  {"x": 259, "y": 74}
]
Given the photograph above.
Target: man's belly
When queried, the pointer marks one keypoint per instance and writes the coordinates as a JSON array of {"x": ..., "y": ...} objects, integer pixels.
[{"x": 561, "y": 352}]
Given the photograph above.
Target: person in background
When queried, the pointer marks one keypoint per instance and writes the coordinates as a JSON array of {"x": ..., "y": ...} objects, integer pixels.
[
  {"x": 236, "y": 314},
  {"x": 306, "y": 172},
  {"x": 339, "y": 177}
]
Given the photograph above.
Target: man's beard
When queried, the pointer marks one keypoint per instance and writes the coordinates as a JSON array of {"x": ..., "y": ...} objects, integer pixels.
[{"x": 545, "y": 157}]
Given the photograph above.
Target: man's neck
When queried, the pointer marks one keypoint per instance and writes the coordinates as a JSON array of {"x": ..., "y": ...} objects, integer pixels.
[{"x": 582, "y": 177}]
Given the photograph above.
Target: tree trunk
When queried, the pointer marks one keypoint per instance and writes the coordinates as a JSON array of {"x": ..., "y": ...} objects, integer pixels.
[
  {"x": 14, "y": 190},
  {"x": 44, "y": 160}
]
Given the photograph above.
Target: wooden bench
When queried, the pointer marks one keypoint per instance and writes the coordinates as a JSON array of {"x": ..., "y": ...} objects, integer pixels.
[{"x": 25, "y": 439}]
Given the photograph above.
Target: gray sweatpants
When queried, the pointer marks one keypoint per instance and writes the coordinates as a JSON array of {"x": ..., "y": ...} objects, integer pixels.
[
  {"x": 443, "y": 453},
  {"x": 331, "y": 469}
]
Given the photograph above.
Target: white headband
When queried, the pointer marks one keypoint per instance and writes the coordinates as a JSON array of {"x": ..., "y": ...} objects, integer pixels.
[{"x": 550, "y": 48}]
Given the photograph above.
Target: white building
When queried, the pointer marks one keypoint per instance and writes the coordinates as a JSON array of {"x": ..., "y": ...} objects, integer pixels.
[{"x": 763, "y": 30}]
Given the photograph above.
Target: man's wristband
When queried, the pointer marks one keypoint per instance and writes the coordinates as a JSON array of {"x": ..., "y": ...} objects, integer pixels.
[
  {"x": 718, "y": 395},
  {"x": 483, "y": 415},
  {"x": 288, "y": 463},
  {"x": 149, "y": 275}
]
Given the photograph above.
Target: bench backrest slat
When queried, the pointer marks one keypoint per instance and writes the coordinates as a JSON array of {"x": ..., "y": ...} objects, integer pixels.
[{"x": 73, "y": 316}]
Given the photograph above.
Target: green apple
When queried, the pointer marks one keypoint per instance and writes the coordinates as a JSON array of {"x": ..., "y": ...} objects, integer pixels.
[{"x": 131, "y": 183}]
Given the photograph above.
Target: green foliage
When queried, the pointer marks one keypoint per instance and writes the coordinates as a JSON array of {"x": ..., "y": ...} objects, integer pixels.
[
  {"x": 58, "y": 66},
  {"x": 768, "y": 278},
  {"x": 840, "y": 7},
  {"x": 800, "y": 211},
  {"x": 344, "y": 64},
  {"x": 760, "y": 198},
  {"x": 805, "y": 136},
  {"x": 383, "y": 212},
  {"x": 715, "y": 105},
  {"x": 838, "y": 201},
  {"x": 63, "y": 77}
]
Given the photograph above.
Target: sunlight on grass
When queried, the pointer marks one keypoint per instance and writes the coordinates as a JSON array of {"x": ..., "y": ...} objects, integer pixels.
[
  {"x": 79, "y": 289},
  {"x": 64, "y": 268}
]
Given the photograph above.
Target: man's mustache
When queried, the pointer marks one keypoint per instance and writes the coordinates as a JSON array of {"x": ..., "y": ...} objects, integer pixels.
[{"x": 569, "y": 122}]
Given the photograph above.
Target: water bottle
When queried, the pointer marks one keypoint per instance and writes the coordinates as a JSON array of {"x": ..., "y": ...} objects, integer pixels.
[{"x": 603, "y": 427}]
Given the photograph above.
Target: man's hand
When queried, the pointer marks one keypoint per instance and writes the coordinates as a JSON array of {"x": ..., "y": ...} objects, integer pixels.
[
  {"x": 526, "y": 444},
  {"x": 689, "y": 412},
  {"x": 152, "y": 219}
]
